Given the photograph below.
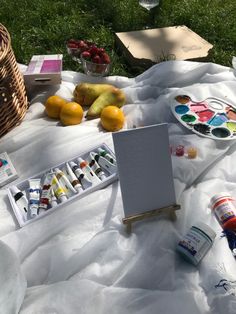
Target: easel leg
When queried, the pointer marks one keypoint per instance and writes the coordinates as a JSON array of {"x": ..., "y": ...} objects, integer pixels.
[
  {"x": 129, "y": 227},
  {"x": 172, "y": 215}
]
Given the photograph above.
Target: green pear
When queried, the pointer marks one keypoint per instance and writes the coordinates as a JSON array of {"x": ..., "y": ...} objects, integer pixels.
[
  {"x": 114, "y": 97},
  {"x": 86, "y": 93}
]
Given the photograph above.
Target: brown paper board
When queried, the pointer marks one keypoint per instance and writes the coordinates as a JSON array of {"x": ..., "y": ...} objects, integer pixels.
[{"x": 150, "y": 46}]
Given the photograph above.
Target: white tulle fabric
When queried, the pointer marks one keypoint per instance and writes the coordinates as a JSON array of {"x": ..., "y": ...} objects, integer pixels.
[{"x": 79, "y": 259}]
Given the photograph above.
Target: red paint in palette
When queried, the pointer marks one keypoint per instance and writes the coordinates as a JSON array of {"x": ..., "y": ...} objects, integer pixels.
[{"x": 205, "y": 115}]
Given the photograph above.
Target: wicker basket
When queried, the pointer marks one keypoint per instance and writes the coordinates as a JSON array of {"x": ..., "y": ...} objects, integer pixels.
[{"x": 13, "y": 99}]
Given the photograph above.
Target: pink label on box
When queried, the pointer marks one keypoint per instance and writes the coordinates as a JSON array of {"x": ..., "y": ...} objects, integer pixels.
[{"x": 51, "y": 66}]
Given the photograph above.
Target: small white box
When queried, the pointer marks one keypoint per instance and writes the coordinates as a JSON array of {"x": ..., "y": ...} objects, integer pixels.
[
  {"x": 44, "y": 70},
  {"x": 23, "y": 186},
  {"x": 7, "y": 171}
]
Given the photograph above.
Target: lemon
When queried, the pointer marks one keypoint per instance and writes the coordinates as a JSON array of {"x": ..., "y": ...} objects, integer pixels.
[
  {"x": 112, "y": 118},
  {"x": 53, "y": 106},
  {"x": 71, "y": 113}
]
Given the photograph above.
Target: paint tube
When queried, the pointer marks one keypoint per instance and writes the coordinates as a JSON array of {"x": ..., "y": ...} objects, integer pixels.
[
  {"x": 58, "y": 189},
  {"x": 106, "y": 155},
  {"x": 21, "y": 201},
  {"x": 85, "y": 182},
  {"x": 73, "y": 179},
  {"x": 65, "y": 183},
  {"x": 45, "y": 194},
  {"x": 53, "y": 199},
  {"x": 88, "y": 171},
  {"x": 95, "y": 167},
  {"x": 34, "y": 197},
  {"x": 104, "y": 163}
]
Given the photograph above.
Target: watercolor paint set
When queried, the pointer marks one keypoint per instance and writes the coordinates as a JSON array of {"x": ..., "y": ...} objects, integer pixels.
[
  {"x": 213, "y": 117},
  {"x": 44, "y": 70},
  {"x": 45, "y": 192}
]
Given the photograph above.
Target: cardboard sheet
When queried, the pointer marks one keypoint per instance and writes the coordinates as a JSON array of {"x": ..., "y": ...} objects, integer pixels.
[{"x": 168, "y": 43}]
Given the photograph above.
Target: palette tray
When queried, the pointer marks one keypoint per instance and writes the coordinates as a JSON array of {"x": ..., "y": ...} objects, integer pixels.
[{"x": 213, "y": 117}]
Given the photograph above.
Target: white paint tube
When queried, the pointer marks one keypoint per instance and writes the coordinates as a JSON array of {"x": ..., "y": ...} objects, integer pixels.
[
  {"x": 34, "y": 197},
  {"x": 86, "y": 183},
  {"x": 58, "y": 189},
  {"x": 53, "y": 199},
  {"x": 96, "y": 168},
  {"x": 65, "y": 183},
  {"x": 45, "y": 194},
  {"x": 21, "y": 201},
  {"x": 72, "y": 177},
  {"x": 88, "y": 171},
  {"x": 104, "y": 163}
]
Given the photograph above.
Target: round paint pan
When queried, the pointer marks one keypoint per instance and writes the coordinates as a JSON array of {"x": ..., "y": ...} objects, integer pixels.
[
  {"x": 188, "y": 118},
  {"x": 221, "y": 132},
  {"x": 182, "y": 99},
  {"x": 181, "y": 109}
]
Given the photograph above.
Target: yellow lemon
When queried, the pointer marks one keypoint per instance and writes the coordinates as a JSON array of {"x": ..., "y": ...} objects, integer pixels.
[
  {"x": 53, "y": 106},
  {"x": 71, "y": 113},
  {"x": 112, "y": 118}
]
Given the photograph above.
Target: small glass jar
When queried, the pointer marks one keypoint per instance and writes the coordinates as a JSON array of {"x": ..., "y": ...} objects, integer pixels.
[
  {"x": 95, "y": 69},
  {"x": 224, "y": 207},
  {"x": 196, "y": 243}
]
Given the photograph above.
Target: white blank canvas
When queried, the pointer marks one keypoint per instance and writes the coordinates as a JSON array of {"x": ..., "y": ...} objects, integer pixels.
[{"x": 144, "y": 168}]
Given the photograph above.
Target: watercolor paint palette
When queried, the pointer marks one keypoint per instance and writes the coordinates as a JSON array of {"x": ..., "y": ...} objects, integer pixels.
[
  {"x": 213, "y": 117},
  {"x": 24, "y": 219}
]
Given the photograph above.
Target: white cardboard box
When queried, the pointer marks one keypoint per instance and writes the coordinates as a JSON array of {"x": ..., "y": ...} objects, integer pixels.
[{"x": 44, "y": 70}]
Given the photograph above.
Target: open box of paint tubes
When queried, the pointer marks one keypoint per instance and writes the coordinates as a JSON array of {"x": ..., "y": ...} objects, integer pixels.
[{"x": 45, "y": 192}]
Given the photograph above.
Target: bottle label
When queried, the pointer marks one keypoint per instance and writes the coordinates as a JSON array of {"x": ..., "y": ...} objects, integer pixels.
[
  {"x": 224, "y": 210},
  {"x": 196, "y": 243}
]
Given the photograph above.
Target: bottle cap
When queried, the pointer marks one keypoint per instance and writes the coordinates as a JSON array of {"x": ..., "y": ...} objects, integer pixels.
[
  {"x": 82, "y": 163},
  {"x": 216, "y": 197},
  {"x": 14, "y": 190},
  {"x": 72, "y": 164},
  {"x": 63, "y": 198},
  {"x": 206, "y": 229}
]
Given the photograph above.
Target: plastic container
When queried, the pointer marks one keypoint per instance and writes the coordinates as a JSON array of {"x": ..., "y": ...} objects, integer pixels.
[
  {"x": 196, "y": 243},
  {"x": 224, "y": 207},
  {"x": 58, "y": 202}
]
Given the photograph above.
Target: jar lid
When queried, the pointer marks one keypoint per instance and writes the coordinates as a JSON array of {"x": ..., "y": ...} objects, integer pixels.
[
  {"x": 218, "y": 196},
  {"x": 206, "y": 229}
]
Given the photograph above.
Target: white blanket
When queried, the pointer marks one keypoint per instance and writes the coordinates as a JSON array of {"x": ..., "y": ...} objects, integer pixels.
[{"x": 79, "y": 259}]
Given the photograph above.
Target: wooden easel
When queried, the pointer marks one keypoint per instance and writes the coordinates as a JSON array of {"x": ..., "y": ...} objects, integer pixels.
[{"x": 169, "y": 210}]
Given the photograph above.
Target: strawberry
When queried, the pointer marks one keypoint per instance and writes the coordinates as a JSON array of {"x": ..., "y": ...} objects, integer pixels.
[
  {"x": 101, "y": 51},
  {"x": 93, "y": 50},
  {"x": 105, "y": 58},
  {"x": 97, "y": 59},
  {"x": 82, "y": 45},
  {"x": 72, "y": 45},
  {"x": 86, "y": 54}
]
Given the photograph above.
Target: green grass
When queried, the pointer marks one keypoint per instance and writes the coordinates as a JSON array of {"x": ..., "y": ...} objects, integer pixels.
[{"x": 43, "y": 26}]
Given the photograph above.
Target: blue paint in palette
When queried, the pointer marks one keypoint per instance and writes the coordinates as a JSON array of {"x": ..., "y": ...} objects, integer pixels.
[
  {"x": 218, "y": 119},
  {"x": 181, "y": 109}
]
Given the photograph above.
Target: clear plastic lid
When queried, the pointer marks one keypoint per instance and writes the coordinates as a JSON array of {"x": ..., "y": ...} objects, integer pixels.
[{"x": 206, "y": 229}]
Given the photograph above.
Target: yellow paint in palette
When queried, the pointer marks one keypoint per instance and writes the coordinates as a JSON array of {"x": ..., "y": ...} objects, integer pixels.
[{"x": 231, "y": 126}]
